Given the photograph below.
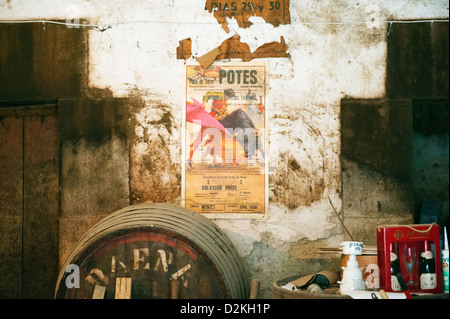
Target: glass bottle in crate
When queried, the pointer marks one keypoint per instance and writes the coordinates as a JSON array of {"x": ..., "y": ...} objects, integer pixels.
[
  {"x": 427, "y": 268},
  {"x": 395, "y": 267}
]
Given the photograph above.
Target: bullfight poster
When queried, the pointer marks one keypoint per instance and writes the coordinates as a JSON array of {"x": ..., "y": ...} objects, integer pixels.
[{"x": 225, "y": 140}]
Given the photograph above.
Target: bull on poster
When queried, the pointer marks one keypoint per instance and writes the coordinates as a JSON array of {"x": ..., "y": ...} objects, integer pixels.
[{"x": 224, "y": 142}]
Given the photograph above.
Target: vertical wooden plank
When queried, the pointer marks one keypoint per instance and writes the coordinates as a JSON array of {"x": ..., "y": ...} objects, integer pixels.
[
  {"x": 99, "y": 292},
  {"x": 11, "y": 174},
  {"x": 41, "y": 206},
  {"x": 174, "y": 289},
  {"x": 123, "y": 288}
]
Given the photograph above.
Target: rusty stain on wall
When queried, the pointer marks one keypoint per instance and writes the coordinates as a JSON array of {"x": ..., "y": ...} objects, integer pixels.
[
  {"x": 304, "y": 177},
  {"x": 154, "y": 177},
  {"x": 273, "y": 12},
  {"x": 9, "y": 3},
  {"x": 184, "y": 49},
  {"x": 294, "y": 186},
  {"x": 233, "y": 48}
]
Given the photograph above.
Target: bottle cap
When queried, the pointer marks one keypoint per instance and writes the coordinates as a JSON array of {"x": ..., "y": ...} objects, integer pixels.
[
  {"x": 427, "y": 254},
  {"x": 393, "y": 257}
]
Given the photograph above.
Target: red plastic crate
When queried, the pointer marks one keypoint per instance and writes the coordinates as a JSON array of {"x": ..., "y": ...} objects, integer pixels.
[{"x": 405, "y": 236}]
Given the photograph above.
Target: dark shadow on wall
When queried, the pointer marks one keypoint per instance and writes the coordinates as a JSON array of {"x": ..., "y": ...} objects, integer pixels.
[
  {"x": 395, "y": 150},
  {"x": 43, "y": 69}
]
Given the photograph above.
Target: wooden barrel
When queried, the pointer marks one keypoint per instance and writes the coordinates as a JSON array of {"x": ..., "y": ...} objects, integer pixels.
[{"x": 155, "y": 251}]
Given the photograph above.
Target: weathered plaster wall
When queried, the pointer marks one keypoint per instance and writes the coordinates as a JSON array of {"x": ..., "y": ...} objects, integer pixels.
[
  {"x": 136, "y": 57},
  {"x": 94, "y": 164}
]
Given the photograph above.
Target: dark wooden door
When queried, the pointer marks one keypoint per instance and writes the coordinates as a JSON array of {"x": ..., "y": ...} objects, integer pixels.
[{"x": 29, "y": 202}]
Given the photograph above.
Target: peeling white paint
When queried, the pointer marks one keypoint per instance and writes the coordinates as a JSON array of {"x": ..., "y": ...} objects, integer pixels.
[{"x": 258, "y": 33}]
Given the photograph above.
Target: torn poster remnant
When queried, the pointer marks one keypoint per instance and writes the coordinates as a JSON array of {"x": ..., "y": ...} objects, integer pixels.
[
  {"x": 233, "y": 48},
  {"x": 273, "y": 12},
  {"x": 184, "y": 49}
]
